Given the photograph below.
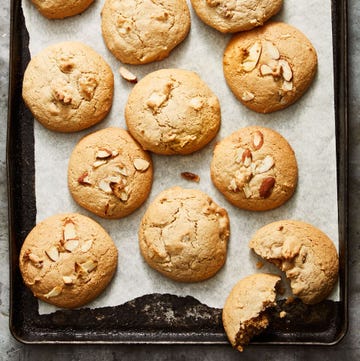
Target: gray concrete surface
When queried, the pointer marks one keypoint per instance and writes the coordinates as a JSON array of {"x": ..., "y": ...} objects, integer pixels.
[{"x": 348, "y": 349}]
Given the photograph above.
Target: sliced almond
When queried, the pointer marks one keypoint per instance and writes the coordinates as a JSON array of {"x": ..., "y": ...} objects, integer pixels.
[
  {"x": 103, "y": 153},
  {"x": 114, "y": 153},
  {"x": 246, "y": 157},
  {"x": 114, "y": 179},
  {"x": 89, "y": 265},
  {"x": 122, "y": 170},
  {"x": 266, "y": 187},
  {"x": 99, "y": 163},
  {"x": 232, "y": 186},
  {"x": 287, "y": 85},
  {"x": 141, "y": 164},
  {"x": 69, "y": 230},
  {"x": 271, "y": 49},
  {"x": 84, "y": 179},
  {"x": 127, "y": 75},
  {"x": 123, "y": 196},
  {"x": 87, "y": 245},
  {"x": 54, "y": 292},
  {"x": 286, "y": 70},
  {"x": 247, "y": 191},
  {"x": 247, "y": 96},
  {"x": 35, "y": 260},
  {"x": 257, "y": 140},
  {"x": 104, "y": 185},
  {"x": 71, "y": 245},
  {"x": 252, "y": 59},
  {"x": 190, "y": 176},
  {"x": 67, "y": 280},
  {"x": 266, "y": 164},
  {"x": 266, "y": 70},
  {"x": 53, "y": 253}
]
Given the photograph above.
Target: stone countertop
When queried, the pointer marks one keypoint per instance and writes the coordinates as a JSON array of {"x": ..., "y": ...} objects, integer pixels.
[{"x": 348, "y": 349}]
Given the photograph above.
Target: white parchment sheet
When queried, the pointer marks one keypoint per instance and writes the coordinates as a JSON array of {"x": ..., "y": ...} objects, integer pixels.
[{"x": 308, "y": 125}]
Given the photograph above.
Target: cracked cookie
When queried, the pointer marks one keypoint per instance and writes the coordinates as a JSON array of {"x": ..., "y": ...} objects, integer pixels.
[
  {"x": 255, "y": 169},
  {"x": 306, "y": 255},
  {"x": 68, "y": 87},
  {"x": 143, "y": 31},
  {"x": 109, "y": 174},
  {"x": 172, "y": 111},
  {"x": 231, "y": 16},
  {"x": 184, "y": 235},
  {"x": 68, "y": 260},
  {"x": 270, "y": 67},
  {"x": 244, "y": 314},
  {"x": 59, "y": 9}
]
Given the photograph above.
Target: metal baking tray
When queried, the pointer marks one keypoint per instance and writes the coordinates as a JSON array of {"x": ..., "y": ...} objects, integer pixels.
[{"x": 143, "y": 320}]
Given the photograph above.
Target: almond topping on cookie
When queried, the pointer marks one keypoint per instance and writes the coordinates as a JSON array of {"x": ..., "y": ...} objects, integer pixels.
[
  {"x": 67, "y": 280},
  {"x": 84, "y": 179},
  {"x": 266, "y": 70},
  {"x": 71, "y": 245},
  {"x": 246, "y": 157},
  {"x": 127, "y": 75},
  {"x": 257, "y": 140},
  {"x": 266, "y": 187},
  {"x": 89, "y": 265},
  {"x": 33, "y": 258},
  {"x": 190, "y": 176},
  {"x": 120, "y": 168},
  {"x": 266, "y": 164},
  {"x": 141, "y": 164},
  {"x": 252, "y": 59},
  {"x": 53, "y": 253},
  {"x": 286, "y": 70},
  {"x": 103, "y": 153},
  {"x": 104, "y": 185},
  {"x": 247, "y": 190},
  {"x": 247, "y": 96},
  {"x": 99, "y": 163},
  {"x": 87, "y": 245},
  {"x": 69, "y": 231},
  {"x": 272, "y": 50},
  {"x": 287, "y": 85},
  {"x": 54, "y": 292},
  {"x": 232, "y": 186}
]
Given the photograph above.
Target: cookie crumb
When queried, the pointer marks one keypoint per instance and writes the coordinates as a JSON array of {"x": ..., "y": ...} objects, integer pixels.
[
  {"x": 259, "y": 265},
  {"x": 191, "y": 176},
  {"x": 282, "y": 314}
]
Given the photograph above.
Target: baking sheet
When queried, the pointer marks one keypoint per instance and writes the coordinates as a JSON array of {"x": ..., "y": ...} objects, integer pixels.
[{"x": 317, "y": 182}]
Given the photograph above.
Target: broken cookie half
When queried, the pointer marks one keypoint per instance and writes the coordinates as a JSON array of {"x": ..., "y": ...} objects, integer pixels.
[
  {"x": 245, "y": 312},
  {"x": 306, "y": 255}
]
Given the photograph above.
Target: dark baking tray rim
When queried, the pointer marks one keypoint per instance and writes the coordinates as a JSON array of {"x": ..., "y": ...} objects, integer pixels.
[{"x": 323, "y": 324}]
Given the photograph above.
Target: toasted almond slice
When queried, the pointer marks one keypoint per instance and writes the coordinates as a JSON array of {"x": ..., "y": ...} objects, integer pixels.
[
  {"x": 247, "y": 96},
  {"x": 69, "y": 230},
  {"x": 53, "y": 253},
  {"x": 286, "y": 70},
  {"x": 190, "y": 176},
  {"x": 114, "y": 153},
  {"x": 271, "y": 49},
  {"x": 247, "y": 191},
  {"x": 287, "y": 85},
  {"x": 89, "y": 265},
  {"x": 71, "y": 245},
  {"x": 252, "y": 59},
  {"x": 127, "y": 75},
  {"x": 232, "y": 186},
  {"x": 121, "y": 169},
  {"x": 103, "y": 153},
  {"x": 257, "y": 140},
  {"x": 99, "y": 163},
  {"x": 35, "y": 260},
  {"x": 266, "y": 164},
  {"x": 265, "y": 70},
  {"x": 104, "y": 185},
  {"x": 54, "y": 292},
  {"x": 67, "y": 280},
  {"x": 84, "y": 179},
  {"x": 141, "y": 164},
  {"x": 246, "y": 157},
  {"x": 114, "y": 179},
  {"x": 87, "y": 245},
  {"x": 124, "y": 196}
]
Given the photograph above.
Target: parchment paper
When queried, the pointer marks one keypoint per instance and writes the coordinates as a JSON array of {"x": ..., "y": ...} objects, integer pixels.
[{"x": 308, "y": 125}]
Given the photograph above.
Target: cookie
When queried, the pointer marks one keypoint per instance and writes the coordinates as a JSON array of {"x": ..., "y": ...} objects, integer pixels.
[
  {"x": 172, "y": 111},
  {"x": 233, "y": 16},
  {"x": 68, "y": 87},
  {"x": 255, "y": 169},
  {"x": 68, "y": 260},
  {"x": 184, "y": 235},
  {"x": 244, "y": 314},
  {"x": 270, "y": 67},
  {"x": 59, "y": 9},
  {"x": 109, "y": 174},
  {"x": 143, "y": 31},
  {"x": 306, "y": 255}
]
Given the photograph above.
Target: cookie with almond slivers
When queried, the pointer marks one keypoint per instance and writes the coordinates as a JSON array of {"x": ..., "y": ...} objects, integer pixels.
[
  {"x": 67, "y": 260},
  {"x": 270, "y": 67},
  {"x": 255, "y": 168},
  {"x": 109, "y": 174}
]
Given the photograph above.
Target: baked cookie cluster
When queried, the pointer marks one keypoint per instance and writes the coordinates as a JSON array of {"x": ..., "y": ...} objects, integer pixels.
[{"x": 68, "y": 259}]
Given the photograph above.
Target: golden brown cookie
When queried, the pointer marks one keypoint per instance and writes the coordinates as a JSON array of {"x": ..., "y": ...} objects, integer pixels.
[
  {"x": 255, "y": 168},
  {"x": 68, "y": 87},
  {"x": 67, "y": 260},
  {"x": 306, "y": 255},
  {"x": 172, "y": 111},
  {"x": 270, "y": 67},
  {"x": 184, "y": 235},
  {"x": 231, "y": 16},
  {"x": 143, "y": 31},
  {"x": 244, "y": 313},
  {"x": 59, "y": 9},
  {"x": 109, "y": 174}
]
